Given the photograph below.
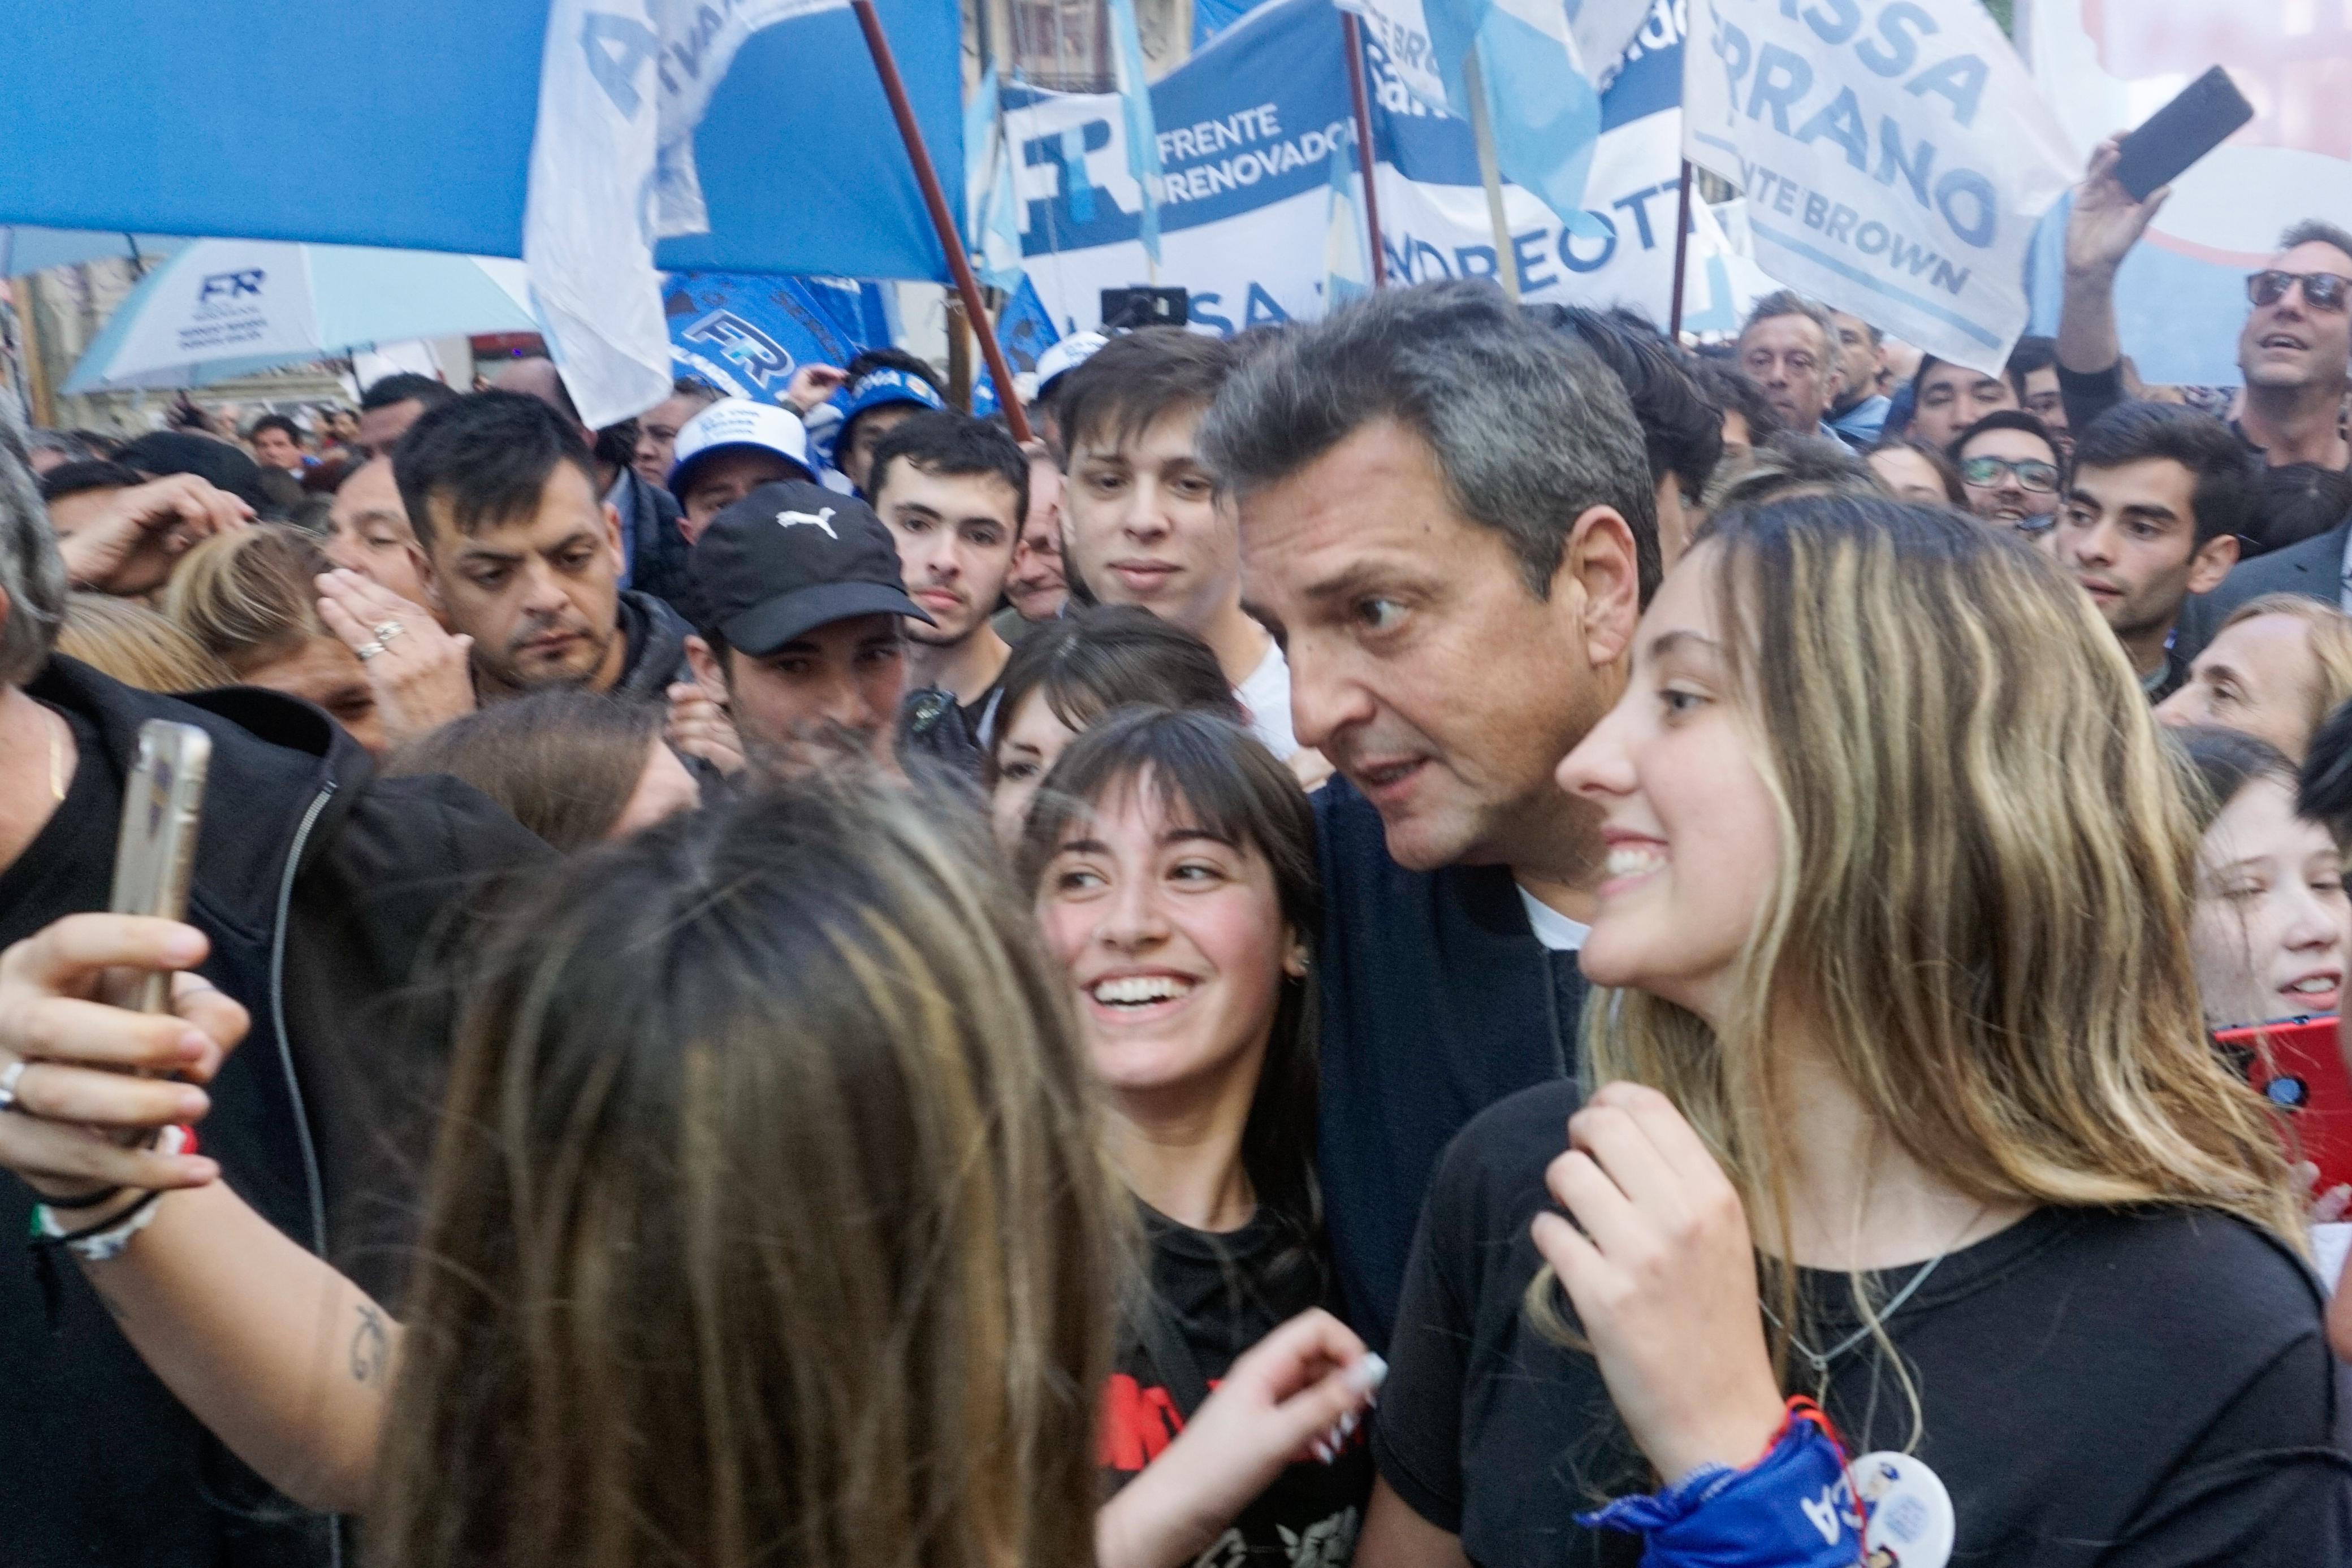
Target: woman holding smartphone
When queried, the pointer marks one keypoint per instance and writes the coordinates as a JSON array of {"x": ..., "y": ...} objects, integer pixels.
[{"x": 1906, "y": 1106}]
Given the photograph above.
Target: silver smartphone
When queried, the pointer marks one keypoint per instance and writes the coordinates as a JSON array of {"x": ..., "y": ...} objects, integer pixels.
[{"x": 163, "y": 804}]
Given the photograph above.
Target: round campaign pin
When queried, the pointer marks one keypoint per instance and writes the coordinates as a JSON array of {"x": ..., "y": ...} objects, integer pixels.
[{"x": 1910, "y": 1518}]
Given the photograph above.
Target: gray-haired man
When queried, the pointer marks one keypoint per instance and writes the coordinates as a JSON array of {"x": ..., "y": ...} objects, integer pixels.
[{"x": 1446, "y": 510}]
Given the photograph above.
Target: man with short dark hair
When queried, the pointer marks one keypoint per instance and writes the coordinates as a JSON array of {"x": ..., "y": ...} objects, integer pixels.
[
  {"x": 1447, "y": 510},
  {"x": 2010, "y": 469},
  {"x": 391, "y": 404},
  {"x": 1790, "y": 348},
  {"x": 368, "y": 532},
  {"x": 802, "y": 606},
  {"x": 952, "y": 490},
  {"x": 2295, "y": 349},
  {"x": 1858, "y": 413},
  {"x": 2159, "y": 496},
  {"x": 1682, "y": 430},
  {"x": 501, "y": 492},
  {"x": 1143, "y": 521},
  {"x": 277, "y": 442},
  {"x": 1948, "y": 398},
  {"x": 2032, "y": 374},
  {"x": 657, "y": 427}
]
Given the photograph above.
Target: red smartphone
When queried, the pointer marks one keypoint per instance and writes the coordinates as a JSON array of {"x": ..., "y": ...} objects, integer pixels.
[
  {"x": 2299, "y": 1068},
  {"x": 2206, "y": 114}
]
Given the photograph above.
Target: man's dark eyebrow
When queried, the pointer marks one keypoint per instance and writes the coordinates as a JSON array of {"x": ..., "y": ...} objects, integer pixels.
[
  {"x": 1348, "y": 581},
  {"x": 2150, "y": 510},
  {"x": 474, "y": 552}
]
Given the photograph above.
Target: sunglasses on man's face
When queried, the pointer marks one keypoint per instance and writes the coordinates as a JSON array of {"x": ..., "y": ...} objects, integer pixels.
[
  {"x": 1986, "y": 472},
  {"x": 2321, "y": 290}
]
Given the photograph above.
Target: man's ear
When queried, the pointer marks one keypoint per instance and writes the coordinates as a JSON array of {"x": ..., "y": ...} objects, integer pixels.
[
  {"x": 1600, "y": 563},
  {"x": 708, "y": 673},
  {"x": 613, "y": 533},
  {"x": 2211, "y": 563},
  {"x": 430, "y": 584}
]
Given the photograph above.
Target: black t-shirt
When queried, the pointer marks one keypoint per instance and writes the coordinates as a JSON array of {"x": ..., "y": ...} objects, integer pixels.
[
  {"x": 68, "y": 868},
  {"x": 1220, "y": 1294},
  {"x": 2131, "y": 1388}
]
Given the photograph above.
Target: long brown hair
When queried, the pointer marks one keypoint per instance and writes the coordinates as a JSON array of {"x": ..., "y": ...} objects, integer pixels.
[
  {"x": 1986, "y": 870},
  {"x": 563, "y": 762},
  {"x": 767, "y": 1224}
]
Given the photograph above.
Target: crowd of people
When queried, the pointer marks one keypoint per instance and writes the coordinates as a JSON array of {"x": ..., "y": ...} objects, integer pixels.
[{"x": 1455, "y": 934}]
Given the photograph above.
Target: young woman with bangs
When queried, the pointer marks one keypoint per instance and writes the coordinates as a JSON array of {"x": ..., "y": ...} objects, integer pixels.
[{"x": 1899, "y": 1100}]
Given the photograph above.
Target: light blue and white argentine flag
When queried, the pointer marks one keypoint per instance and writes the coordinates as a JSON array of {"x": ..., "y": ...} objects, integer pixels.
[
  {"x": 612, "y": 171},
  {"x": 1346, "y": 272}
]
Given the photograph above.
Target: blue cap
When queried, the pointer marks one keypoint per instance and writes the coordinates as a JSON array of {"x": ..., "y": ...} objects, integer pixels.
[{"x": 879, "y": 388}]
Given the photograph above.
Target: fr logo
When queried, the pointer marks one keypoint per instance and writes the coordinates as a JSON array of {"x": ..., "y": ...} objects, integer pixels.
[
  {"x": 231, "y": 285},
  {"x": 809, "y": 520}
]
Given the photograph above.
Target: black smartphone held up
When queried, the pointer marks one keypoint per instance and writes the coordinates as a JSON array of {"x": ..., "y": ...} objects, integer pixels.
[
  {"x": 2206, "y": 114},
  {"x": 1125, "y": 309}
]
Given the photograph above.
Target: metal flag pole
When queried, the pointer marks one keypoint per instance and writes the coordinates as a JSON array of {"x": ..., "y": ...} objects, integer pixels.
[
  {"x": 885, "y": 66},
  {"x": 1353, "y": 32},
  {"x": 1490, "y": 174},
  {"x": 1682, "y": 256}
]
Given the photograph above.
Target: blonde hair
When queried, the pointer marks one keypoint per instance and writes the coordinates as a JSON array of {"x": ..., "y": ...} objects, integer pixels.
[
  {"x": 136, "y": 646},
  {"x": 768, "y": 1223},
  {"x": 1987, "y": 871},
  {"x": 247, "y": 596},
  {"x": 2329, "y": 632}
]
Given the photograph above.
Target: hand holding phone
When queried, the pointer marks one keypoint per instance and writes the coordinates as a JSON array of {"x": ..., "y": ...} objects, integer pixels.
[
  {"x": 162, "y": 805},
  {"x": 2207, "y": 112}
]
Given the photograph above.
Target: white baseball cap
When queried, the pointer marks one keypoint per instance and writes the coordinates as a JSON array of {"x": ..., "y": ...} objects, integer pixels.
[
  {"x": 738, "y": 424},
  {"x": 1061, "y": 357}
]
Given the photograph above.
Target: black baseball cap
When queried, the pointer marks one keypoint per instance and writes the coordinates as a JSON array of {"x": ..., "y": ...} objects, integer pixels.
[{"x": 791, "y": 557}]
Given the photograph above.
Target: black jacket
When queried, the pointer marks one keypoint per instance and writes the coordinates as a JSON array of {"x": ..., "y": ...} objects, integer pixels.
[
  {"x": 319, "y": 886},
  {"x": 657, "y": 550},
  {"x": 2313, "y": 569},
  {"x": 656, "y": 637}
]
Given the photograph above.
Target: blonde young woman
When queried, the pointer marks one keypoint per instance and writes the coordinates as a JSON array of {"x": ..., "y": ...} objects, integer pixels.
[{"x": 1907, "y": 1108}]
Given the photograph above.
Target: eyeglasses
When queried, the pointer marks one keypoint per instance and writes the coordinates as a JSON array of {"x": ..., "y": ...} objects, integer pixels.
[
  {"x": 2321, "y": 290},
  {"x": 1986, "y": 472}
]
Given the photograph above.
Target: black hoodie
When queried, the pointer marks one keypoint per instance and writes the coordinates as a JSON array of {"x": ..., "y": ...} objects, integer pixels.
[{"x": 319, "y": 886}]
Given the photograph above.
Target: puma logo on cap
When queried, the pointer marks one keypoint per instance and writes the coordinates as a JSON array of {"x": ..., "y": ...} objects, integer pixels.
[{"x": 809, "y": 520}]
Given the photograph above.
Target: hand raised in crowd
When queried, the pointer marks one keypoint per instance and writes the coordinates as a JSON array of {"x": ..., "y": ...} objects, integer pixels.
[
  {"x": 422, "y": 676},
  {"x": 1661, "y": 1271},
  {"x": 2106, "y": 220},
  {"x": 130, "y": 546},
  {"x": 698, "y": 726},
  {"x": 1305, "y": 1385},
  {"x": 70, "y": 1063},
  {"x": 811, "y": 384}
]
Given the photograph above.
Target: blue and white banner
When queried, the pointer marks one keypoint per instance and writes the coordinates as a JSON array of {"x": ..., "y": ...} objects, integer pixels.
[
  {"x": 1246, "y": 133},
  {"x": 747, "y": 333},
  {"x": 1896, "y": 156}
]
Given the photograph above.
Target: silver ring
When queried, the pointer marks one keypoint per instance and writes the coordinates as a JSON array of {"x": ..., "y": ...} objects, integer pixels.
[
  {"x": 8, "y": 1076},
  {"x": 387, "y": 631},
  {"x": 367, "y": 650}
]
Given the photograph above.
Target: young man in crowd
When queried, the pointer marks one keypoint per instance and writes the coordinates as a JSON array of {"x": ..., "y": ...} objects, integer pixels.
[
  {"x": 2033, "y": 375},
  {"x": 1142, "y": 520},
  {"x": 1682, "y": 431},
  {"x": 277, "y": 442},
  {"x": 952, "y": 490},
  {"x": 885, "y": 388},
  {"x": 2159, "y": 496},
  {"x": 2295, "y": 349},
  {"x": 657, "y": 427},
  {"x": 1790, "y": 348},
  {"x": 525, "y": 558},
  {"x": 315, "y": 884},
  {"x": 1857, "y": 415},
  {"x": 393, "y": 403},
  {"x": 802, "y": 607},
  {"x": 728, "y": 451},
  {"x": 1945, "y": 399},
  {"x": 1448, "y": 510}
]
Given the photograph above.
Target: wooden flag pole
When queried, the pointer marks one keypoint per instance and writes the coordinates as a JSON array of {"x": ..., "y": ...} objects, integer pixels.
[{"x": 885, "y": 66}]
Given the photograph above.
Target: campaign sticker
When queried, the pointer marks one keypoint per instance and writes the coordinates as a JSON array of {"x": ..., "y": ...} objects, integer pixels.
[{"x": 1910, "y": 1521}]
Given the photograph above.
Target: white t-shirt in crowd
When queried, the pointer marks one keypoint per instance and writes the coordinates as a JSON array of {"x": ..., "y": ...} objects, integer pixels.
[
  {"x": 1553, "y": 929},
  {"x": 1264, "y": 696}
]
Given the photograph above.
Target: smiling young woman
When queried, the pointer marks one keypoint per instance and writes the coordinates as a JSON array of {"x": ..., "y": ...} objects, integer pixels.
[
  {"x": 1909, "y": 1108},
  {"x": 1172, "y": 860}
]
